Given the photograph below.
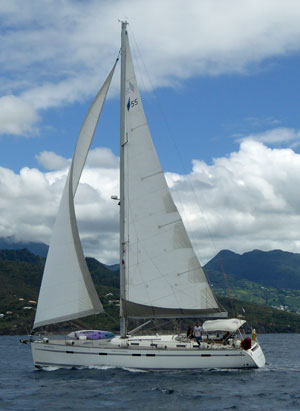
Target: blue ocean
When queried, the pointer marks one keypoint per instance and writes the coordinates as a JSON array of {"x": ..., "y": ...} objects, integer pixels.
[{"x": 275, "y": 387}]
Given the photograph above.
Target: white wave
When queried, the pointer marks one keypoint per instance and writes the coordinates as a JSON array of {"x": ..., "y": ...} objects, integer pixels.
[
  {"x": 134, "y": 369},
  {"x": 51, "y": 368},
  {"x": 101, "y": 367}
]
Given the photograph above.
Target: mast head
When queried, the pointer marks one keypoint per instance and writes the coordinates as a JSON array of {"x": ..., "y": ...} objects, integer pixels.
[{"x": 124, "y": 22}]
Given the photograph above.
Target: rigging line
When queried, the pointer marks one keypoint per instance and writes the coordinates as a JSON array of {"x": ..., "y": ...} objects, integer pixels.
[
  {"x": 227, "y": 285},
  {"x": 109, "y": 315},
  {"x": 173, "y": 141},
  {"x": 158, "y": 323},
  {"x": 137, "y": 64}
]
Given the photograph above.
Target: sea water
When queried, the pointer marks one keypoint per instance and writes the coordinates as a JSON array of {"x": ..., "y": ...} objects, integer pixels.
[{"x": 274, "y": 387}]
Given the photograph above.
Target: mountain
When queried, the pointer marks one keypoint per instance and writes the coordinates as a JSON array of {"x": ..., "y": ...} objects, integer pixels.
[
  {"x": 264, "y": 319},
  {"x": 20, "y": 278},
  {"x": 265, "y": 278},
  {"x": 278, "y": 269},
  {"x": 103, "y": 275},
  {"x": 113, "y": 267},
  {"x": 8, "y": 243},
  {"x": 21, "y": 274}
]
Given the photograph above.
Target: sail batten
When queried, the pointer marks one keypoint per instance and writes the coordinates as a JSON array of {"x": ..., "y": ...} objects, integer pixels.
[
  {"x": 67, "y": 291},
  {"x": 163, "y": 277}
]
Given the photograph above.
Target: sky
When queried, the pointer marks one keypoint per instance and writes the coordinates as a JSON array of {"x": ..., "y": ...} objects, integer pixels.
[{"x": 220, "y": 86}]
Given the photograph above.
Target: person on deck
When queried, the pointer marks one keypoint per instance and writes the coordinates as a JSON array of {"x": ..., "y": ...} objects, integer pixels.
[{"x": 198, "y": 333}]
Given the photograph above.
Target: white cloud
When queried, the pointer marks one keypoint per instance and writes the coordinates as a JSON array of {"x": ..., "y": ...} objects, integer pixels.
[
  {"x": 52, "y": 161},
  {"x": 17, "y": 116},
  {"x": 103, "y": 156},
  {"x": 29, "y": 202},
  {"x": 52, "y": 56},
  {"x": 275, "y": 136},
  {"x": 246, "y": 201},
  {"x": 249, "y": 200}
]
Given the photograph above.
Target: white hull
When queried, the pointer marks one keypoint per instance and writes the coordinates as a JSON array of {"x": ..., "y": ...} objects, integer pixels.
[{"x": 146, "y": 354}]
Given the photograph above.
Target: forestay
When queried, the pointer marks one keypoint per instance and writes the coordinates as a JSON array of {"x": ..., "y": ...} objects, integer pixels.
[
  {"x": 67, "y": 290},
  {"x": 163, "y": 277}
]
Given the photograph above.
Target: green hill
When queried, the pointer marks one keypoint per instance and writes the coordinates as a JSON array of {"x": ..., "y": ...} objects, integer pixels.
[
  {"x": 265, "y": 278},
  {"x": 264, "y": 319},
  {"x": 21, "y": 274},
  {"x": 9, "y": 243},
  {"x": 20, "y": 278},
  {"x": 276, "y": 268}
]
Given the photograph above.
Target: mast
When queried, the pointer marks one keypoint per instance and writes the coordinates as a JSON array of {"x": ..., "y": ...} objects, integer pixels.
[{"x": 123, "y": 325}]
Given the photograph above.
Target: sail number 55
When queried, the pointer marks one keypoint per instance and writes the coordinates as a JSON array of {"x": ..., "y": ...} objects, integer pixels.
[{"x": 132, "y": 103}]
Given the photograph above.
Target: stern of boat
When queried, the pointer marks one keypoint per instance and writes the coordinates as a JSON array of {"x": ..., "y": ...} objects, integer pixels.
[{"x": 256, "y": 354}]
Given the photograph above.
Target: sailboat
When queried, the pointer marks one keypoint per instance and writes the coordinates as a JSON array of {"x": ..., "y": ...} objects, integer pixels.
[{"x": 160, "y": 275}]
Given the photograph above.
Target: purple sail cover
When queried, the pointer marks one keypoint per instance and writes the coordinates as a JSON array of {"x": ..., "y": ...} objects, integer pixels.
[{"x": 94, "y": 335}]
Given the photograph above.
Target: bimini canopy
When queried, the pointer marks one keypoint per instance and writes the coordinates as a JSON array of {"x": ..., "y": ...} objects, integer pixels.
[{"x": 230, "y": 325}]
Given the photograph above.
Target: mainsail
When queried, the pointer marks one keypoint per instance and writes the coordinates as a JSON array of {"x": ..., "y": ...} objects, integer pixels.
[
  {"x": 67, "y": 290},
  {"x": 162, "y": 275}
]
